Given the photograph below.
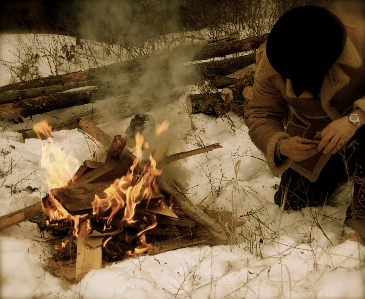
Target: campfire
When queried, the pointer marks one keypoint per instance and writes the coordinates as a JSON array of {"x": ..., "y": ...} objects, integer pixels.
[{"x": 118, "y": 208}]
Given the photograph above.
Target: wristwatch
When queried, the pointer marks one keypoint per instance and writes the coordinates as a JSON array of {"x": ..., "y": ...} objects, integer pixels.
[{"x": 355, "y": 120}]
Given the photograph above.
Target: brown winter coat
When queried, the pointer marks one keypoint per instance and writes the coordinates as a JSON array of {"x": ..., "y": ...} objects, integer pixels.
[{"x": 342, "y": 90}]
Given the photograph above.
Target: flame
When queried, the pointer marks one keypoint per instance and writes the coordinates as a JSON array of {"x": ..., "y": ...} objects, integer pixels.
[
  {"x": 130, "y": 190},
  {"x": 42, "y": 128},
  {"x": 161, "y": 128},
  {"x": 60, "y": 169},
  {"x": 138, "y": 184}
]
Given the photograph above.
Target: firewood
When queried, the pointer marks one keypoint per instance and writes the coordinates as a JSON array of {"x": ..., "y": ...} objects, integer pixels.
[
  {"x": 42, "y": 104},
  {"x": 88, "y": 257},
  {"x": 183, "y": 155},
  {"x": 106, "y": 86},
  {"x": 116, "y": 148},
  {"x": 207, "y": 103},
  {"x": 176, "y": 221},
  {"x": 245, "y": 77},
  {"x": 21, "y": 215},
  {"x": 65, "y": 124},
  {"x": 95, "y": 174},
  {"x": 179, "y": 199},
  {"x": 193, "y": 212},
  {"x": 95, "y": 132},
  {"x": 220, "y": 82}
]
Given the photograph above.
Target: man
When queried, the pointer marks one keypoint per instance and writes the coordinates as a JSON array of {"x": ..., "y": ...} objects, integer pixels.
[{"x": 313, "y": 67}]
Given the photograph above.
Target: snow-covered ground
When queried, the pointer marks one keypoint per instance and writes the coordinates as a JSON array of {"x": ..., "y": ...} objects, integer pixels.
[{"x": 276, "y": 255}]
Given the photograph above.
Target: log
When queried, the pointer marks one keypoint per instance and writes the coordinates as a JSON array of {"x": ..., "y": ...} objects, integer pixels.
[
  {"x": 220, "y": 82},
  {"x": 95, "y": 132},
  {"x": 178, "y": 199},
  {"x": 221, "y": 49},
  {"x": 178, "y": 55},
  {"x": 192, "y": 211},
  {"x": 88, "y": 257},
  {"x": 112, "y": 86},
  {"x": 183, "y": 155},
  {"x": 47, "y": 81},
  {"x": 107, "y": 86},
  {"x": 207, "y": 103},
  {"x": 245, "y": 77},
  {"x": 223, "y": 67},
  {"x": 42, "y": 104},
  {"x": 65, "y": 124},
  {"x": 21, "y": 215}
]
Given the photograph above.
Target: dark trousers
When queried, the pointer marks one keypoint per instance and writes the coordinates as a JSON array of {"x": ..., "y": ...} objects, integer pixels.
[{"x": 299, "y": 192}]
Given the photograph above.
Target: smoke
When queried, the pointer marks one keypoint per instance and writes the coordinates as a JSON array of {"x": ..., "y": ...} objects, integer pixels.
[
  {"x": 137, "y": 29},
  {"x": 127, "y": 22}
]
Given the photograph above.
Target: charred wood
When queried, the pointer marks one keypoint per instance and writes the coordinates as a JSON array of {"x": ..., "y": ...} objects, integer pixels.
[{"x": 178, "y": 199}]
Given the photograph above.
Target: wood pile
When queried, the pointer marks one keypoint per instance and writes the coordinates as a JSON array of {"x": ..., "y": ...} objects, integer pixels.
[{"x": 223, "y": 69}]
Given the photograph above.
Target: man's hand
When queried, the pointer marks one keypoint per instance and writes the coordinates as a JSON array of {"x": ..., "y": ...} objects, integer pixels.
[
  {"x": 335, "y": 135},
  {"x": 296, "y": 150}
]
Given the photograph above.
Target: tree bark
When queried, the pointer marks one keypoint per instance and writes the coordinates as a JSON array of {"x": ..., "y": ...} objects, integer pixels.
[
  {"x": 207, "y": 103},
  {"x": 221, "y": 49},
  {"x": 47, "y": 81},
  {"x": 224, "y": 67},
  {"x": 42, "y": 104}
]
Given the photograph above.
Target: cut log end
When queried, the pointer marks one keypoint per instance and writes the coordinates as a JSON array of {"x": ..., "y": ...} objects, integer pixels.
[{"x": 201, "y": 103}]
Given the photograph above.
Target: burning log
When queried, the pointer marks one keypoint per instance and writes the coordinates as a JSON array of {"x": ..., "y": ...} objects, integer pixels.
[
  {"x": 95, "y": 132},
  {"x": 193, "y": 212},
  {"x": 179, "y": 199},
  {"x": 42, "y": 104},
  {"x": 88, "y": 257}
]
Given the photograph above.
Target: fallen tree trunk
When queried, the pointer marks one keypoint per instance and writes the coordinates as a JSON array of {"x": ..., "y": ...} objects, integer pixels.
[
  {"x": 117, "y": 85},
  {"x": 47, "y": 81},
  {"x": 221, "y": 49},
  {"x": 42, "y": 104},
  {"x": 224, "y": 67},
  {"x": 110, "y": 86},
  {"x": 177, "y": 55}
]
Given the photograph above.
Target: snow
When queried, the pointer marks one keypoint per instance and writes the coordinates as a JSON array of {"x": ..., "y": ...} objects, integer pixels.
[{"x": 276, "y": 255}]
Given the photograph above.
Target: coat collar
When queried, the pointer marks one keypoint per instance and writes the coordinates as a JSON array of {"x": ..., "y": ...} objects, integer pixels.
[{"x": 335, "y": 79}]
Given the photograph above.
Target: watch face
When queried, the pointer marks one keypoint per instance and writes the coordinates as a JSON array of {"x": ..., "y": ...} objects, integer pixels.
[{"x": 354, "y": 117}]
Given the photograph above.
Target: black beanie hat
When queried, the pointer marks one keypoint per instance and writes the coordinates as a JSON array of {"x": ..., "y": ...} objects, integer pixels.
[{"x": 303, "y": 44}]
